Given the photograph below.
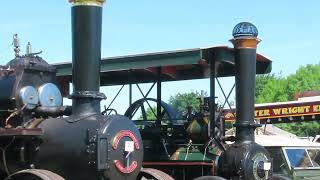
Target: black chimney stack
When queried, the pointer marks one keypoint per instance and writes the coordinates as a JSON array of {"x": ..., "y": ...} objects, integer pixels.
[
  {"x": 91, "y": 145},
  {"x": 86, "y": 55},
  {"x": 245, "y": 159},
  {"x": 245, "y": 43}
]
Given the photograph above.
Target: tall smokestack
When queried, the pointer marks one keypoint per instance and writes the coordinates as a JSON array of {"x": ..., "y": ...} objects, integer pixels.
[
  {"x": 245, "y": 43},
  {"x": 86, "y": 55},
  {"x": 245, "y": 159}
]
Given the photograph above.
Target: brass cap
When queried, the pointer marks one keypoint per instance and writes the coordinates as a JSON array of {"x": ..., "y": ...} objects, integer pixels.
[
  {"x": 245, "y": 35},
  {"x": 245, "y": 42},
  {"x": 87, "y": 2}
]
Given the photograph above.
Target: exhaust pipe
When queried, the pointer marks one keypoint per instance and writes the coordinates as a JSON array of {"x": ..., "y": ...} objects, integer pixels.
[
  {"x": 245, "y": 42},
  {"x": 93, "y": 143},
  {"x": 86, "y": 55},
  {"x": 245, "y": 159}
]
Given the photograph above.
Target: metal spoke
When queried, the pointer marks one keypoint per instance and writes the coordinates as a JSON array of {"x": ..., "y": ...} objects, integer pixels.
[
  {"x": 162, "y": 114},
  {"x": 115, "y": 97},
  {"x": 145, "y": 97},
  {"x": 143, "y": 111},
  {"x": 152, "y": 109},
  {"x": 226, "y": 97}
]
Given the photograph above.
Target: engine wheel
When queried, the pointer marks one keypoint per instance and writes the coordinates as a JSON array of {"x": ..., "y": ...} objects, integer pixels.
[
  {"x": 167, "y": 113},
  {"x": 34, "y": 174},
  {"x": 209, "y": 178},
  {"x": 277, "y": 177},
  {"x": 153, "y": 174}
]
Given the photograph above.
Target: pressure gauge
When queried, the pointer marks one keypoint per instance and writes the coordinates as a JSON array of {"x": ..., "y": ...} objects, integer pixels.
[
  {"x": 49, "y": 95},
  {"x": 29, "y": 97}
]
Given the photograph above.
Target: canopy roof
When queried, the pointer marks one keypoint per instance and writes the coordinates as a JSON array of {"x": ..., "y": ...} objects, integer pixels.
[{"x": 175, "y": 65}]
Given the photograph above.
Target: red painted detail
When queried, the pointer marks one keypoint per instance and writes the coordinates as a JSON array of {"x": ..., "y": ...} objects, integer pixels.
[
  {"x": 307, "y": 94},
  {"x": 152, "y": 70},
  {"x": 170, "y": 71},
  {"x": 262, "y": 58},
  {"x": 122, "y": 134},
  {"x": 126, "y": 170}
]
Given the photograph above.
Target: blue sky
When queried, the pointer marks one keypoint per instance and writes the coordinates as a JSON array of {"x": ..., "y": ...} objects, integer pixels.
[{"x": 289, "y": 29}]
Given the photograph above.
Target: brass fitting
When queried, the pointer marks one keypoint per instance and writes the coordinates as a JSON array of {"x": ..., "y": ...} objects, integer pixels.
[
  {"x": 87, "y": 2},
  {"x": 245, "y": 42}
]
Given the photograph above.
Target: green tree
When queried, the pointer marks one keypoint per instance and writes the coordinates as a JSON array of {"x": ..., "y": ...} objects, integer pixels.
[
  {"x": 270, "y": 88},
  {"x": 150, "y": 113},
  {"x": 305, "y": 78},
  {"x": 181, "y": 101},
  {"x": 302, "y": 128},
  {"x": 273, "y": 88}
]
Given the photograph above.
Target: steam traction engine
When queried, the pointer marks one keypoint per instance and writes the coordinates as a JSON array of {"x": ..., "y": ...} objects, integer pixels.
[
  {"x": 42, "y": 139},
  {"x": 83, "y": 144},
  {"x": 194, "y": 147}
]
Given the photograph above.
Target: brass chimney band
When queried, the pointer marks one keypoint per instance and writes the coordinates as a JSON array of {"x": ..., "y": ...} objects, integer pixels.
[
  {"x": 245, "y": 42},
  {"x": 87, "y": 2}
]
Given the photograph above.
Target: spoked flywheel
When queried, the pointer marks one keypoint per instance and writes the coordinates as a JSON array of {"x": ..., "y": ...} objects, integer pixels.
[
  {"x": 153, "y": 174},
  {"x": 34, "y": 174},
  {"x": 167, "y": 112}
]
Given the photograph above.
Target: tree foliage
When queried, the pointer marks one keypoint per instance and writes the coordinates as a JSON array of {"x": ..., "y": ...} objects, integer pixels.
[
  {"x": 302, "y": 129},
  {"x": 181, "y": 101},
  {"x": 275, "y": 88},
  {"x": 150, "y": 113},
  {"x": 270, "y": 88}
]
